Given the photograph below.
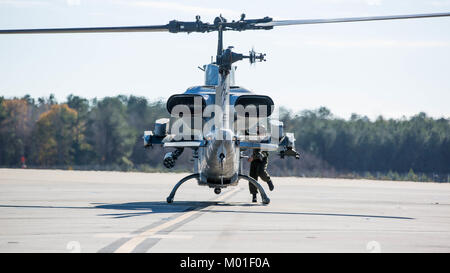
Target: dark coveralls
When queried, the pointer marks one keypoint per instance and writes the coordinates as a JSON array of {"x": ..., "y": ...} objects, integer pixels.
[{"x": 258, "y": 167}]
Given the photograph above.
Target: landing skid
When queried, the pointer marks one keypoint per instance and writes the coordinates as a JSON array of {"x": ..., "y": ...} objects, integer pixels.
[
  {"x": 264, "y": 197},
  {"x": 174, "y": 190}
]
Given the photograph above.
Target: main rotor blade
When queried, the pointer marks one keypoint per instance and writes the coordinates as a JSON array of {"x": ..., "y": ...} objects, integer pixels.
[
  {"x": 351, "y": 19},
  {"x": 87, "y": 30}
]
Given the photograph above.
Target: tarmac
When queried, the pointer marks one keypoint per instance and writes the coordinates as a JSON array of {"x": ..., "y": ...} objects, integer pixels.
[{"x": 90, "y": 211}]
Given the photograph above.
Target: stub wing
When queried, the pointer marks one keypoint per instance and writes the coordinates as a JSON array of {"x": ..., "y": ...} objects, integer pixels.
[
  {"x": 284, "y": 144},
  {"x": 184, "y": 144},
  {"x": 169, "y": 141},
  {"x": 256, "y": 145}
]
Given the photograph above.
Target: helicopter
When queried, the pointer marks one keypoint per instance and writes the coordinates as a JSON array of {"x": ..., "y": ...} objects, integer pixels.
[{"x": 219, "y": 120}]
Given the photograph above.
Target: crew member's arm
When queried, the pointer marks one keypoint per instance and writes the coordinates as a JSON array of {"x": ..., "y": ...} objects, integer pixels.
[{"x": 257, "y": 155}]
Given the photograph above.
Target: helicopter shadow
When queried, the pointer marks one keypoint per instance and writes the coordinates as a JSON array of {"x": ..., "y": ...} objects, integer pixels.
[
  {"x": 145, "y": 208},
  {"x": 133, "y": 209}
]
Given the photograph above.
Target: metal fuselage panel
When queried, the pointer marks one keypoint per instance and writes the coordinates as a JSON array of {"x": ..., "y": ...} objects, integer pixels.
[{"x": 218, "y": 162}]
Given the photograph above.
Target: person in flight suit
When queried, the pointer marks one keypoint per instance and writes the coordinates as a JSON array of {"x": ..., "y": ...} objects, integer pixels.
[{"x": 258, "y": 167}]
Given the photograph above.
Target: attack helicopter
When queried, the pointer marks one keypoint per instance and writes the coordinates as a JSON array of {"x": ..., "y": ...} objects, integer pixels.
[{"x": 219, "y": 121}]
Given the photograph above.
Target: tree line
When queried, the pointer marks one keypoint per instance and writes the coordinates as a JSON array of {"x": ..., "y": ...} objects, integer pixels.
[
  {"x": 387, "y": 148},
  {"x": 91, "y": 134},
  {"x": 106, "y": 134}
]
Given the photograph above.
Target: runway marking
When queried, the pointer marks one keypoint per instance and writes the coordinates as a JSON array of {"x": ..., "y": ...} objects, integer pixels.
[{"x": 141, "y": 237}]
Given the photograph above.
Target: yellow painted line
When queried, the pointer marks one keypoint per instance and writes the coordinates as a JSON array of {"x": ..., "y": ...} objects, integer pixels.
[{"x": 135, "y": 241}]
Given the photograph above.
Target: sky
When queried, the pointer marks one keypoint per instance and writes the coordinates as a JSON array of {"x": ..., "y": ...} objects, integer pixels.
[{"x": 390, "y": 68}]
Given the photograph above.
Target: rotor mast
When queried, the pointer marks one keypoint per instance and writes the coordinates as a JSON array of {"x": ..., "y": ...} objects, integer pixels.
[{"x": 224, "y": 60}]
